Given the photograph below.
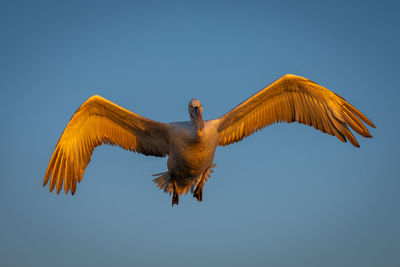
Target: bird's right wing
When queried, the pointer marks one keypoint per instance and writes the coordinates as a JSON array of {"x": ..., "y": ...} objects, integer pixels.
[
  {"x": 96, "y": 122},
  {"x": 288, "y": 99}
]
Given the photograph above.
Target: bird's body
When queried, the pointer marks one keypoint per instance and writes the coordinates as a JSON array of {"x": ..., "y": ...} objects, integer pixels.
[
  {"x": 190, "y": 155},
  {"x": 191, "y": 145}
]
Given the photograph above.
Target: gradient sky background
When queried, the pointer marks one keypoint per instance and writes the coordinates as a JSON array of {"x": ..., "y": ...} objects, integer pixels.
[{"x": 288, "y": 196}]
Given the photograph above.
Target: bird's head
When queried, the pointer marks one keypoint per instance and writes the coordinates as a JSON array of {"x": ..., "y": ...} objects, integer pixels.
[{"x": 196, "y": 114}]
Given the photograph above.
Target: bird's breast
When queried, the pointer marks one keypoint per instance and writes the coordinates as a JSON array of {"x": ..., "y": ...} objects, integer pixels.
[{"x": 190, "y": 156}]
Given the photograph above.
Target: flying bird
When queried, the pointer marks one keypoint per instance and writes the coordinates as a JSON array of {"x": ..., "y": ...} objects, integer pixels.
[{"x": 190, "y": 145}]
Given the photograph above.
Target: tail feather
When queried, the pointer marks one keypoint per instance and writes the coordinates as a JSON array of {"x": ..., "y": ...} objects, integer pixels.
[
  {"x": 164, "y": 182},
  {"x": 167, "y": 184}
]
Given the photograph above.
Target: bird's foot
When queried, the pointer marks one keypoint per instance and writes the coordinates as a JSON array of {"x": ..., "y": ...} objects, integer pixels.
[
  {"x": 175, "y": 199},
  {"x": 198, "y": 193}
]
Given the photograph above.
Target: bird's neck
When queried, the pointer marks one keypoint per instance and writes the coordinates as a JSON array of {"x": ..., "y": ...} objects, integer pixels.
[{"x": 198, "y": 133}]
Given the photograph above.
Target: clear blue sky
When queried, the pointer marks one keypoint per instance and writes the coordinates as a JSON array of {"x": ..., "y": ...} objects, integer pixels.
[{"x": 287, "y": 196}]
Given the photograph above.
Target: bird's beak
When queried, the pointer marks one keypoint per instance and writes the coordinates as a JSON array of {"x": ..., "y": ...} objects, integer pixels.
[{"x": 199, "y": 119}]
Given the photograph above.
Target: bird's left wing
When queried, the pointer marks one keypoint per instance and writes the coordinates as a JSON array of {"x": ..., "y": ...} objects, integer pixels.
[
  {"x": 288, "y": 99},
  {"x": 96, "y": 122}
]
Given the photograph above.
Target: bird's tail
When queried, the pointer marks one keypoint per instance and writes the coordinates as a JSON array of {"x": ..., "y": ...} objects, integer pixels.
[
  {"x": 164, "y": 182},
  {"x": 167, "y": 184}
]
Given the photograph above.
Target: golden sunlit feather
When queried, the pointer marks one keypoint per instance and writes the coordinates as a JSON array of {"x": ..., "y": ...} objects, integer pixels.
[
  {"x": 293, "y": 98},
  {"x": 99, "y": 121}
]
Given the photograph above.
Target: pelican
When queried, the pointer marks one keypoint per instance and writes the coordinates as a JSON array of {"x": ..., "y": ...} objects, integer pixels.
[{"x": 190, "y": 145}]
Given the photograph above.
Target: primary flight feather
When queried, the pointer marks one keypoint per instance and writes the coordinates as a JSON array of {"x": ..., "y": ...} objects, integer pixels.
[{"x": 191, "y": 145}]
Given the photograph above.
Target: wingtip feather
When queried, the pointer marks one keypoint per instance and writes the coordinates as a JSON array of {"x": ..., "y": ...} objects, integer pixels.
[{"x": 359, "y": 114}]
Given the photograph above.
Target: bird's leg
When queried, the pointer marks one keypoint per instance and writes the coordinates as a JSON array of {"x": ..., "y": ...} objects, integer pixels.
[
  {"x": 198, "y": 193},
  {"x": 175, "y": 196}
]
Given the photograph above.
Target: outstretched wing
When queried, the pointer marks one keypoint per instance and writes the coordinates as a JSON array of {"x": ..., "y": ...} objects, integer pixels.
[
  {"x": 293, "y": 98},
  {"x": 96, "y": 122}
]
